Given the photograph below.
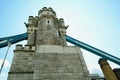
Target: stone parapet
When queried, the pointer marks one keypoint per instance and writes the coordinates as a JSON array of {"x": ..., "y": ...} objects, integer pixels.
[{"x": 20, "y": 47}]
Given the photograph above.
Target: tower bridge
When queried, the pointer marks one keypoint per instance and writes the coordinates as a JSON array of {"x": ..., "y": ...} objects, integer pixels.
[{"x": 46, "y": 56}]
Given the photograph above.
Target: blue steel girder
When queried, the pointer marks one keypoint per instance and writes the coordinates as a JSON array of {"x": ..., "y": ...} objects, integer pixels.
[
  {"x": 12, "y": 39},
  {"x": 93, "y": 50},
  {"x": 21, "y": 37}
]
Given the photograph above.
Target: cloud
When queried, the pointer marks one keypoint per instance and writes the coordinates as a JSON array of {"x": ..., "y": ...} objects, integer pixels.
[
  {"x": 95, "y": 69},
  {"x": 3, "y": 76},
  {"x": 4, "y": 73},
  {"x": 6, "y": 64}
]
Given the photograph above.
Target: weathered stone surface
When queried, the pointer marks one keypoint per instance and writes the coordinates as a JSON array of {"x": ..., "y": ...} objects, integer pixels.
[
  {"x": 46, "y": 55},
  {"x": 60, "y": 63}
]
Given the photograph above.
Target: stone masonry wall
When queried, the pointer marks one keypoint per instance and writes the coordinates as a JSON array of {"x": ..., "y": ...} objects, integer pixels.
[
  {"x": 48, "y": 63},
  {"x": 22, "y": 67}
]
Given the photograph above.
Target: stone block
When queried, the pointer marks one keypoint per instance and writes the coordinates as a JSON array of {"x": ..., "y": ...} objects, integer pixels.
[
  {"x": 33, "y": 47},
  {"x": 27, "y": 47},
  {"x": 19, "y": 47}
]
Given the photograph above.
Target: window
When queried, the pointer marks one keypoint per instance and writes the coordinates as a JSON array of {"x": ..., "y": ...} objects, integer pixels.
[{"x": 48, "y": 21}]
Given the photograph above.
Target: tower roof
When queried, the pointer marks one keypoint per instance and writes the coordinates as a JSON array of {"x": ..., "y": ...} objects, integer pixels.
[{"x": 46, "y": 9}]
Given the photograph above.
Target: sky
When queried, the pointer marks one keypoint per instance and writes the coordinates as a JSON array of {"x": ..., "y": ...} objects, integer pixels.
[{"x": 95, "y": 22}]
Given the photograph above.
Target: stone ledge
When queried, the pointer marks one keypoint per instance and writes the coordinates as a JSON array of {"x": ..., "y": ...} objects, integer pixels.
[
  {"x": 57, "y": 49},
  {"x": 30, "y": 72}
]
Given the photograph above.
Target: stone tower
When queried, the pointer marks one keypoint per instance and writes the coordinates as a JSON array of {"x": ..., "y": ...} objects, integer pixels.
[{"x": 46, "y": 55}]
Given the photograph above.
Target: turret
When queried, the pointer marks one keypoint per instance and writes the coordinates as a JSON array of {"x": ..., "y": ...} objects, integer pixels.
[
  {"x": 31, "y": 29},
  {"x": 46, "y": 29},
  {"x": 46, "y": 12},
  {"x": 49, "y": 28}
]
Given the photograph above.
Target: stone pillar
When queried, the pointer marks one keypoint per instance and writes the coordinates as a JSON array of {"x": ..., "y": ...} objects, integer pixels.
[
  {"x": 31, "y": 30},
  {"x": 107, "y": 70}
]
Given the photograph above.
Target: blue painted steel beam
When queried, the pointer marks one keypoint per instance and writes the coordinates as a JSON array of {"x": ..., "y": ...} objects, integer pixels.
[
  {"x": 21, "y": 37},
  {"x": 12, "y": 39},
  {"x": 94, "y": 50}
]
